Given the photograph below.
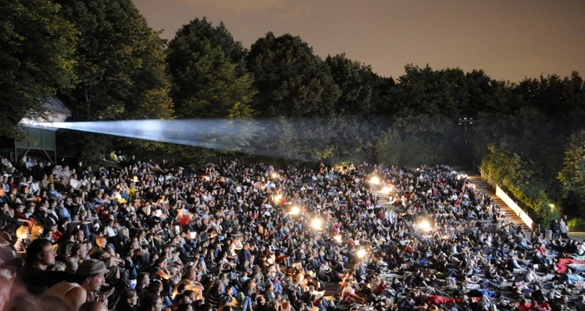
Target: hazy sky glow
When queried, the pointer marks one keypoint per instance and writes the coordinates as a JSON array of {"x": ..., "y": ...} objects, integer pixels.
[{"x": 507, "y": 39}]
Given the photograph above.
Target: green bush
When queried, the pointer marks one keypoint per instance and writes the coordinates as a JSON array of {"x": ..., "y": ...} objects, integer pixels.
[{"x": 521, "y": 179}]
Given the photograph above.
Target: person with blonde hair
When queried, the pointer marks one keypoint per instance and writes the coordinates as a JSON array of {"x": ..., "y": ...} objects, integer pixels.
[{"x": 23, "y": 240}]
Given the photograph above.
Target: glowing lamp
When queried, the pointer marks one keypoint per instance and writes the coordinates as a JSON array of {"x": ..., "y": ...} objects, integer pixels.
[
  {"x": 361, "y": 253},
  {"x": 424, "y": 225},
  {"x": 295, "y": 210},
  {"x": 374, "y": 180},
  {"x": 316, "y": 223}
]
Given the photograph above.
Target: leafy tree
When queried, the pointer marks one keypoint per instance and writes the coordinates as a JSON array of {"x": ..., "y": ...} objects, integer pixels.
[
  {"x": 210, "y": 82},
  {"x": 199, "y": 29},
  {"x": 120, "y": 63},
  {"x": 121, "y": 69},
  {"x": 290, "y": 79},
  {"x": 573, "y": 173},
  {"x": 206, "y": 83},
  {"x": 357, "y": 84},
  {"x": 424, "y": 91},
  {"x": 36, "y": 46}
]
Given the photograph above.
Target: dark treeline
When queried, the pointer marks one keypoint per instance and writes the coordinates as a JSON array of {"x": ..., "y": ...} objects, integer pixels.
[{"x": 106, "y": 63}]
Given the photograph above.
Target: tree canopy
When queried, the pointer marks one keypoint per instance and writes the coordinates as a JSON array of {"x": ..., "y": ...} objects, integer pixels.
[
  {"x": 291, "y": 80},
  {"x": 36, "y": 48}
]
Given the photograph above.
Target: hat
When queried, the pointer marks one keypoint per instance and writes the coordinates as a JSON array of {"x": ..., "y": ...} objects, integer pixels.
[{"x": 91, "y": 267}]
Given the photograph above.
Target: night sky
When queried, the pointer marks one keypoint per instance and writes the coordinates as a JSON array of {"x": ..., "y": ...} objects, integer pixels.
[{"x": 509, "y": 40}]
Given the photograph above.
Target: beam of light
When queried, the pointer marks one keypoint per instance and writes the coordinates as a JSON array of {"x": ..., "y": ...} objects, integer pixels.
[
  {"x": 212, "y": 134},
  {"x": 308, "y": 137}
]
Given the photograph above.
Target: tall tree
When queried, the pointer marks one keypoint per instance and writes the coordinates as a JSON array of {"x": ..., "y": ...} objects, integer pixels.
[
  {"x": 357, "y": 84},
  {"x": 121, "y": 69},
  {"x": 120, "y": 63},
  {"x": 36, "y": 48},
  {"x": 210, "y": 82},
  {"x": 204, "y": 62},
  {"x": 290, "y": 79}
]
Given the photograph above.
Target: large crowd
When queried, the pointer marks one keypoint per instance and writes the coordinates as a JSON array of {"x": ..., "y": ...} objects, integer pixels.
[{"x": 141, "y": 235}]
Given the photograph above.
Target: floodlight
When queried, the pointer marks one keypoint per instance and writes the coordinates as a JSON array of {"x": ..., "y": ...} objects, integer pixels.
[
  {"x": 424, "y": 225},
  {"x": 295, "y": 210},
  {"x": 316, "y": 223}
]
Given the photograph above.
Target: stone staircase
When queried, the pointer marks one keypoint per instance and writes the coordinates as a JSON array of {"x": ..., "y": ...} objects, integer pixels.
[{"x": 487, "y": 189}]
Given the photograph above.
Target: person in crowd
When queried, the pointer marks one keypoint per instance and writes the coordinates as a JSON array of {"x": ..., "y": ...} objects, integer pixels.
[
  {"x": 244, "y": 237},
  {"x": 34, "y": 274},
  {"x": 88, "y": 281}
]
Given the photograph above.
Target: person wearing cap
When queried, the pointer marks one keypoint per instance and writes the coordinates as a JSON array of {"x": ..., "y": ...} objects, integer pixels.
[{"x": 89, "y": 278}]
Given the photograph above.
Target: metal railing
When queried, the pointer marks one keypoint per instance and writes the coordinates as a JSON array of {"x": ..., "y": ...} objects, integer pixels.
[{"x": 508, "y": 200}]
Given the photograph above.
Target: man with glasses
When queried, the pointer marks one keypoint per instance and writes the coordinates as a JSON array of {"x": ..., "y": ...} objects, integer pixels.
[{"x": 34, "y": 274}]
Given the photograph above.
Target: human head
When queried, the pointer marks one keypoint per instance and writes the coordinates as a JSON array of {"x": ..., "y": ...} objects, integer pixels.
[
  {"x": 151, "y": 302},
  {"x": 128, "y": 296},
  {"x": 79, "y": 250},
  {"x": 37, "y": 229},
  {"x": 22, "y": 233},
  {"x": 91, "y": 274},
  {"x": 40, "y": 252},
  {"x": 101, "y": 241},
  {"x": 93, "y": 306}
]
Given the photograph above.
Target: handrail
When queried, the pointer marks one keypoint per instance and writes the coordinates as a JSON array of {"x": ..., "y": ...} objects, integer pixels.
[{"x": 508, "y": 201}]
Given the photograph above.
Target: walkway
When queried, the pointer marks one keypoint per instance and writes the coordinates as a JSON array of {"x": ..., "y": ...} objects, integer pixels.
[{"x": 485, "y": 188}]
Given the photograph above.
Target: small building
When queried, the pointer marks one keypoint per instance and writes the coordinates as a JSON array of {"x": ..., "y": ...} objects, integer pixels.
[{"x": 41, "y": 142}]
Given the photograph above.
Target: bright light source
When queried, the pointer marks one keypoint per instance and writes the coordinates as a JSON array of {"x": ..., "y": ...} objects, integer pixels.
[
  {"x": 361, "y": 253},
  {"x": 385, "y": 190},
  {"x": 295, "y": 210},
  {"x": 135, "y": 179},
  {"x": 277, "y": 197},
  {"x": 316, "y": 223},
  {"x": 338, "y": 238},
  {"x": 374, "y": 180},
  {"x": 206, "y": 177},
  {"x": 274, "y": 175},
  {"x": 552, "y": 207},
  {"x": 424, "y": 225}
]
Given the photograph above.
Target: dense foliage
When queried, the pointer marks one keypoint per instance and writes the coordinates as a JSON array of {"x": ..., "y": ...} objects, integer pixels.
[
  {"x": 36, "y": 48},
  {"x": 529, "y": 136}
]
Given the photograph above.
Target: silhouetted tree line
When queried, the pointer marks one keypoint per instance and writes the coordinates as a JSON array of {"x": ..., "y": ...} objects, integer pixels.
[{"x": 104, "y": 60}]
